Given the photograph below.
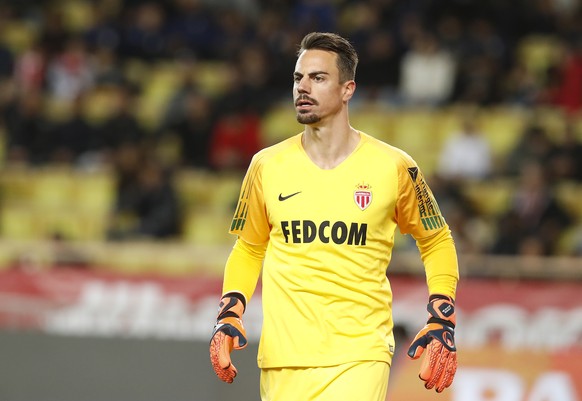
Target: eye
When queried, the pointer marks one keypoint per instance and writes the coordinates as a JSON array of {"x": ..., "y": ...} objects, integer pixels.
[{"x": 296, "y": 78}]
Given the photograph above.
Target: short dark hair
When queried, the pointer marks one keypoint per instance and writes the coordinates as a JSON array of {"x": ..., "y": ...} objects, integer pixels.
[{"x": 347, "y": 58}]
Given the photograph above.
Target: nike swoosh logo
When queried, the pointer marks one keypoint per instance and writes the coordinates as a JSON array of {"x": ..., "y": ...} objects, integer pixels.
[{"x": 282, "y": 198}]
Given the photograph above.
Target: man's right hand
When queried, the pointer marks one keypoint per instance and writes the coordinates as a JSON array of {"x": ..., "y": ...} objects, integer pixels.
[{"x": 228, "y": 334}]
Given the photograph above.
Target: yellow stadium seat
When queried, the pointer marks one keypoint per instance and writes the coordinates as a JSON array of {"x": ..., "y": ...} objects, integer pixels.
[
  {"x": 159, "y": 85},
  {"x": 21, "y": 223},
  {"x": 200, "y": 188},
  {"x": 194, "y": 187},
  {"x": 77, "y": 15},
  {"x": 207, "y": 226},
  {"x": 93, "y": 192},
  {"x": 52, "y": 189},
  {"x": 7, "y": 256},
  {"x": 99, "y": 104},
  {"x": 226, "y": 189},
  {"x": 553, "y": 120},
  {"x": 450, "y": 120},
  {"x": 175, "y": 260},
  {"x": 279, "y": 123},
  {"x": 17, "y": 35},
  {"x": 491, "y": 198},
  {"x": 569, "y": 194},
  {"x": 16, "y": 186},
  {"x": 502, "y": 127},
  {"x": 129, "y": 258},
  {"x": 76, "y": 225},
  {"x": 136, "y": 71},
  {"x": 374, "y": 121},
  {"x": 577, "y": 121},
  {"x": 37, "y": 204},
  {"x": 415, "y": 132},
  {"x": 538, "y": 52},
  {"x": 212, "y": 77},
  {"x": 57, "y": 110}
]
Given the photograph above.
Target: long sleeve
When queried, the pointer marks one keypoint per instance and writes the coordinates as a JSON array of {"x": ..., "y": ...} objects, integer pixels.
[
  {"x": 243, "y": 268},
  {"x": 439, "y": 256}
]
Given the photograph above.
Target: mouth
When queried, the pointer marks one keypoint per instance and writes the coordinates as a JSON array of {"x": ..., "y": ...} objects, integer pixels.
[{"x": 304, "y": 103}]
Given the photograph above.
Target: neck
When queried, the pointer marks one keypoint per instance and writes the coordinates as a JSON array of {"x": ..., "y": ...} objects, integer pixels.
[{"x": 328, "y": 146}]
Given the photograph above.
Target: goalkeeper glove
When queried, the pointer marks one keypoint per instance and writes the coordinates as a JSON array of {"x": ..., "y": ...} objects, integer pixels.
[
  {"x": 438, "y": 338},
  {"x": 228, "y": 334}
]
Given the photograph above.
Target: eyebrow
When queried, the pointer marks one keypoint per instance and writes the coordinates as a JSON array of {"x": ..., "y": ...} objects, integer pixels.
[{"x": 311, "y": 74}]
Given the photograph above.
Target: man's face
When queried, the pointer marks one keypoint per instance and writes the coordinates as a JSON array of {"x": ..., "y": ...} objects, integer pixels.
[{"x": 317, "y": 92}]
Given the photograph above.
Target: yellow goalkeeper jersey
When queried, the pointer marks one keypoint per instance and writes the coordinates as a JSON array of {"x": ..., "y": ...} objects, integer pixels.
[{"x": 326, "y": 297}]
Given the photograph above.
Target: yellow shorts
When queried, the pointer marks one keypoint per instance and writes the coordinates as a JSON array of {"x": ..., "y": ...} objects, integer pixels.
[{"x": 354, "y": 381}]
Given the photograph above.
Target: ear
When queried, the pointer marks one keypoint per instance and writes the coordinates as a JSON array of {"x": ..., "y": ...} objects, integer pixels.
[{"x": 348, "y": 90}]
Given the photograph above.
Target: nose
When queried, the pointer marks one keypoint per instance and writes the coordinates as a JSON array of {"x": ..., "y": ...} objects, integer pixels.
[{"x": 302, "y": 85}]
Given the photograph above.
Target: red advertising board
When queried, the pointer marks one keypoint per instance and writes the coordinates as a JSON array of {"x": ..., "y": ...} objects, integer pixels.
[
  {"x": 89, "y": 302},
  {"x": 517, "y": 340}
]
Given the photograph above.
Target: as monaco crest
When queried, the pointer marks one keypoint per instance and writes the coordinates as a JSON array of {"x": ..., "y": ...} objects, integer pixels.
[{"x": 363, "y": 196}]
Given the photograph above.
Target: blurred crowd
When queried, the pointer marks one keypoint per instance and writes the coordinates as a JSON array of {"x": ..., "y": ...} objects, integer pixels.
[{"x": 57, "y": 55}]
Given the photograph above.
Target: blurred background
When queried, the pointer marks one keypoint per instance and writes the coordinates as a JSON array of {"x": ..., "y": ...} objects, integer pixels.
[{"x": 126, "y": 127}]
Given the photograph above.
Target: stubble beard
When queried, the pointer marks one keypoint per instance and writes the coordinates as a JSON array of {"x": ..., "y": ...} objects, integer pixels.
[{"x": 308, "y": 118}]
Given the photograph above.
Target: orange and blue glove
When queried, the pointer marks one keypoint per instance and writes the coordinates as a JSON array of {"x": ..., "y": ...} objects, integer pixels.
[
  {"x": 439, "y": 365},
  {"x": 228, "y": 334}
]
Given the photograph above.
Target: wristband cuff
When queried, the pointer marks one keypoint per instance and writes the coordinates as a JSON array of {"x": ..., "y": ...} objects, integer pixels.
[
  {"x": 238, "y": 296},
  {"x": 444, "y": 322}
]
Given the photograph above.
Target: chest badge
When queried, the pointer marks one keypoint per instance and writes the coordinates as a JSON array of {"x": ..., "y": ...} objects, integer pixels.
[{"x": 363, "y": 196}]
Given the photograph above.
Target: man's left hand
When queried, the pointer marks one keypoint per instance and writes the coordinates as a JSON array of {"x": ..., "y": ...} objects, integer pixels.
[{"x": 439, "y": 365}]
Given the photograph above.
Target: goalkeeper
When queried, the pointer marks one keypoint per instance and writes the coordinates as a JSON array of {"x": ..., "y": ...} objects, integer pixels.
[{"x": 316, "y": 218}]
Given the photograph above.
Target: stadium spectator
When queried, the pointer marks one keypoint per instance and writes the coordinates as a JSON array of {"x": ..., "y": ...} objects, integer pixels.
[
  {"x": 147, "y": 204},
  {"x": 314, "y": 15},
  {"x": 272, "y": 31},
  {"x": 566, "y": 159},
  {"x": 104, "y": 28},
  {"x": 534, "y": 144},
  {"x": 29, "y": 131},
  {"x": 427, "y": 73},
  {"x": 483, "y": 56},
  {"x": 122, "y": 127},
  {"x": 379, "y": 68},
  {"x": 466, "y": 154},
  {"x": 193, "y": 128},
  {"x": 235, "y": 139},
  {"x": 520, "y": 87},
  {"x": 234, "y": 33},
  {"x": 249, "y": 81},
  {"x": 535, "y": 220},
  {"x": 565, "y": 81},
  {"x": 449, "y": 30},
  {"x": 71, "y": 72},
  {"x": 30, "y": 69},
  {"x": 472, "y": 232},
  {"x": 577, "y": 241},
  {"x": 107, "y": 68},
  {"x": 74, "y": 137},
  {"x": 192, "y": 26},
  {"x": 53, "y": 33},
  {"x": 6, "y": 62},
  {"x": 175, "y": 108},
  {"x": 144, "y": 37}
]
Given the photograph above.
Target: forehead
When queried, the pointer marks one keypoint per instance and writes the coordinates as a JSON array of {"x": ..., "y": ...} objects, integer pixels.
[{"x": 316, "y": 61}]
